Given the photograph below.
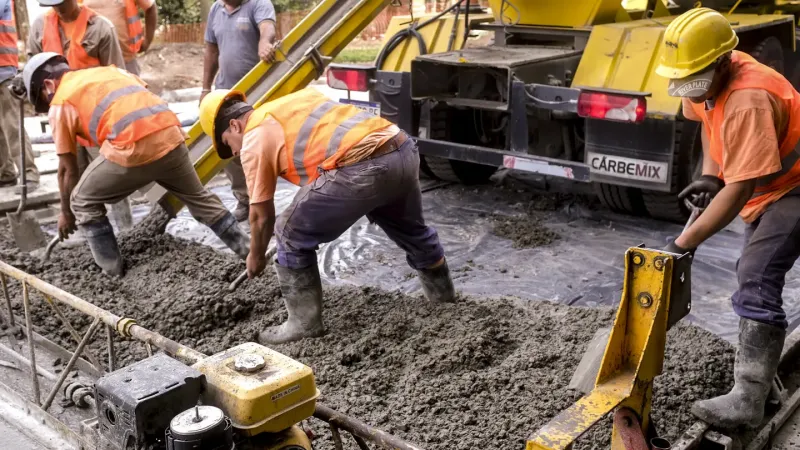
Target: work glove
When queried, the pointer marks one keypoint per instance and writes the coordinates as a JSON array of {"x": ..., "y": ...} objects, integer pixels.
[
  {"x": 17, "y": 87},
  {"x": 702, "y": 190},
  {"x": 672, "y": 247}
]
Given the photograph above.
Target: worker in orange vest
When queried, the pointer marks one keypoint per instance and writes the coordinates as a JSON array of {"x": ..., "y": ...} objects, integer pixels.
[
  {"x": 68, "y": 23},
  {"x": 348, "y": 164},
  {"x": 10, "y": 149},
  {"x": 751, "y": 167},
  {"x": 124, "y": 14},
  {"x": 140, "y": 142}
]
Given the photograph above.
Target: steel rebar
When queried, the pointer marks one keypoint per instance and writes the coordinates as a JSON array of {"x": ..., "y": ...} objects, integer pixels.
[
  {"x": 75, "y": 355},
  {"x": 337, "y": 438},
  {"x": 112, "y": 356},
  {"x": 29, "y": 331},
  {"x": 8, "y": 299},
  {"x": 361, "y": 429},
  {"x": 73, "y": 332},
  {"x": 23, "y": 360}
]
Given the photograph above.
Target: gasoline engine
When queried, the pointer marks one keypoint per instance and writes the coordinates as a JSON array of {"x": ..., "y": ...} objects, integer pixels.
[{"x": 247, "y": 397}]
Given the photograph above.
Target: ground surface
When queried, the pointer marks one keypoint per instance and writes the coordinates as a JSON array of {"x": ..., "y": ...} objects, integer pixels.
[
  {"x": 172, "y": 66},
  {"x": 481, "y": 373}
]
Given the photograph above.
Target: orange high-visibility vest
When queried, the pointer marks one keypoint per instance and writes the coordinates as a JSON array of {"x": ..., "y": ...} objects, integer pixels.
[
  {"x": 135, "y": 30},
  {"x": 9, "y": 53},
  {"x": 747, "y": 73},
  {"x": 113, "y": 105},
  {"x": 76, "y": 55},
  {"x": 318, "y": 132}
]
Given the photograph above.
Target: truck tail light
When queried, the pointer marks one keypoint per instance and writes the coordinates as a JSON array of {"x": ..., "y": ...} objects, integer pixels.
[
  {"x": 621, "y": 108},
  {"x": 349, "y": 78}
]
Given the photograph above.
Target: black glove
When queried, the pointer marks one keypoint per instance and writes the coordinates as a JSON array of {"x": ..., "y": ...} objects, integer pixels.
[
  {"x": 17, "y": 87},
  {"x": 672, "y": 247},
  {"x": 702, "y": 190}
]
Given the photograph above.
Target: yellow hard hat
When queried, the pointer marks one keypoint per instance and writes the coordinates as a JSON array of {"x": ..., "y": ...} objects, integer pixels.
[
  {"x": 693, "y": 41},
  {"x": 209, "y": 109}
]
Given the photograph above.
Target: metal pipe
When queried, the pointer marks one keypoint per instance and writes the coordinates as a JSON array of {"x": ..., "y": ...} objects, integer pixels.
[
  {"x": 361, "y": 444},
  {"x": 337, "y": 438},
  {"x": 112, "y": 356},
  {"x": 72, "y": 332},
  {"x": 8, "y": 299},
  {"x": 23, "y": 195},
  {"x": 29, "y": 330},
  {"x": 86, "y": 338},
  {"x": 361, "y": 429},
  {"x": 23, "y": 360}
]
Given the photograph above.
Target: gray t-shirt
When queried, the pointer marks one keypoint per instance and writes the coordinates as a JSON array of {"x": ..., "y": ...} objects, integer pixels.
[{"x": 236, "y": 34}]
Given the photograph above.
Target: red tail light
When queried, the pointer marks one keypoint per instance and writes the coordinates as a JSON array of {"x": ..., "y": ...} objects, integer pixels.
[
  {"x": 621, "y": 108},
  {"x": 350, "y": 79}
]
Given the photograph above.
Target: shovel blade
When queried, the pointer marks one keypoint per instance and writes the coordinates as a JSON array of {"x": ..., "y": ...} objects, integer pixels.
[
  {"x": 26, "y": 231},
  {"x": 586, "y": 374}
]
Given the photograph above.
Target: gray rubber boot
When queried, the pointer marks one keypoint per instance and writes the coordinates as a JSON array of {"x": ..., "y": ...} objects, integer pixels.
[
  {"x": 437, "y": 284},
  {"x": 227, "y": 229},
  {"x": 103, "y": 245},
  {"x": 242, "y": 212},
  {"x": 757, "y": 359},
  {"x": 302, "y": 295}
]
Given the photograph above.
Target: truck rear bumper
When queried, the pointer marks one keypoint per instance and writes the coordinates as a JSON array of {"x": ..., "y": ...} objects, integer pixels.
[{"x": 513, "y": 160}]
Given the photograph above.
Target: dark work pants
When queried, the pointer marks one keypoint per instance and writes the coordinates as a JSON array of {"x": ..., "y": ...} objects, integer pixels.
[
  {"x": 772, "y": 245},
  {"x": 385, "y": 189}
]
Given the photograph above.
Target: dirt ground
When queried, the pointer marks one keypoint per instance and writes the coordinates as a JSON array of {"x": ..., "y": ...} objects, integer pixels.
[
  {"x": 478, "y": 374},
  {"x": 167, "y": 67}
]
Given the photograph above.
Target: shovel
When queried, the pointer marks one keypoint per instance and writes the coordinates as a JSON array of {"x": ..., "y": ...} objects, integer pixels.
[
  {"x": 243, "y": 276},
  {"x": 585, "y": 375},
  {"x": 25, "y": 228}
]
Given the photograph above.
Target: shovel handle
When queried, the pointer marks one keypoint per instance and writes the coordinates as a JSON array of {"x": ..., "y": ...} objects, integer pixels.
[
  {"x": 695, "y": 213},
  {"x": 50, "y": 246},
  {"x": 243, "y": 276},
  {"x": 23, "y": 182}
]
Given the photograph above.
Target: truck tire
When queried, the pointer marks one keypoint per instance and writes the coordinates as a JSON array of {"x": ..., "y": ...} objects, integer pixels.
[
  {"x": 621, "y": 199},
  {"x": 687, "y": 164},
  {"x": 770, "y": 53},
  {"x": 454, "y": 170}
]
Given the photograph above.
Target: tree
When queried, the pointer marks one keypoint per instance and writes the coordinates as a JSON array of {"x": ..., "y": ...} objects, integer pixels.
[
  {"x": 21, "y": 14},
  {"x": 205, "y": 7}
]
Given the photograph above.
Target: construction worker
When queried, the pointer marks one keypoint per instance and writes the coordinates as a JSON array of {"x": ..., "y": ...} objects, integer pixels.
[
  {"x": 239, "y": 34},
  {"x": 124, "y": 14},
  {"x": 751, "y": 167},
  {"x": 9, "y": 106},
  {"x": 348, "y": 164},
  {"x": 140, "y": 142}
]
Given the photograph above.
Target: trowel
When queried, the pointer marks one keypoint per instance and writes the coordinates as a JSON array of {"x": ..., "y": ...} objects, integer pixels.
[
  {"x": 585, "y": 375},
  {"x": 25, "y": 228}
]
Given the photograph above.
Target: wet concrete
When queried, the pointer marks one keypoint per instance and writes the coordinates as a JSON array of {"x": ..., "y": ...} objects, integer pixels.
[{"x": 481, "y": 373}]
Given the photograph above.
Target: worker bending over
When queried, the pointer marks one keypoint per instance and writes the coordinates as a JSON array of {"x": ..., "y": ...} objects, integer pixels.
[
  {"x": 140, "y": 142},
  {"x": 751, "y": 116},
  {"x": 348, "y": 164}
]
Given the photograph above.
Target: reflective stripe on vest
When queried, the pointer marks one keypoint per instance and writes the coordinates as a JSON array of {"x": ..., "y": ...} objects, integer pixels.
[
  {"x": 101, "y": 108},
  {"x": 135, "y": 30},
  {"x": 76, "y": 54},
  {"x": 9, "y": 53}
]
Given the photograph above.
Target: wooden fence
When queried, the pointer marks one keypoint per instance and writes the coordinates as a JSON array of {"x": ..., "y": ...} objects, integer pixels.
[{"x": 194, "y": 32}]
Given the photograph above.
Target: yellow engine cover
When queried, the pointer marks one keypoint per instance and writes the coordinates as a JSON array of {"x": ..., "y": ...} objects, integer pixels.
[
  {"x": 260, "y": 389},
  {"x": 555, "y": 13}
]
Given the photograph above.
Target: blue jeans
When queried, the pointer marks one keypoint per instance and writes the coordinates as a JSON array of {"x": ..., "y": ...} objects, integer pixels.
[
  {"x": 385, "y": 189},
  {"x": 772, "y": 245}
]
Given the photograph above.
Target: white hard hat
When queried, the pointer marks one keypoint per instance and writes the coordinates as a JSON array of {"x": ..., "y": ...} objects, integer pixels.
[{"x": 38, "y": 60}]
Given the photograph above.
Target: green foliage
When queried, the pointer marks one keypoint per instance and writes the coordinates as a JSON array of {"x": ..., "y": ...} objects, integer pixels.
[
  {"x": 179, "y": 11},
  {"x": 292, "y": 5},
  {"x": 357, "y": 55}
]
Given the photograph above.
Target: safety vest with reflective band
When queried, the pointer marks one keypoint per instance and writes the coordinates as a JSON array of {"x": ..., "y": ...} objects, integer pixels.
[
  {"x": 113, "y": 106},
  {"x": 318, "y": 132},
  {"x": 135, "y": 29},
  {"x": 76, "y": 54},
  {"x": 9, "y": 53},
  {"x": 747, "y": 73}
]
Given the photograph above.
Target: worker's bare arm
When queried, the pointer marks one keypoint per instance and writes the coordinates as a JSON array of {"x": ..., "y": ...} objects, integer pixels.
[
  {"x": 266, "y": 48},
  {"x": 722, "y": 210},
  {"x": 67, "y": 180},
  {"x": 210, "y": 67},
  {"x": 262, "y": 222},
  {"x": 710, "y": 167},
  {"x": 150, "y": 24}
]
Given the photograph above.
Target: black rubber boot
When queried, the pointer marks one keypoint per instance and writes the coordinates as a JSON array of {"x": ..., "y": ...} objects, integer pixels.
[
  {"x": 757, "y": 359},
  {"x": 437, "y": 284},
  {"x": 103, "y": 245},
  {"x": 227, "y": 229},
  {"x": 302, "y": 295}
]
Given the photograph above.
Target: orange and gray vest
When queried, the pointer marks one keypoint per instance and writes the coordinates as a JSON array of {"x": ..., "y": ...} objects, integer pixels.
[
  {"x": 318, "y": 132},
  {"x": 76, "y": 54},
  {"x": 9, "y": 53},
  {"x": 113, "y": 106},
  {"x": 747, "y": 73},
  {"x": 135, "y": 30}
]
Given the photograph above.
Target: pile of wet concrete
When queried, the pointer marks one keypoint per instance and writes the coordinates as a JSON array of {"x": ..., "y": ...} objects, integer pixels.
[{"x": 478, "y": 374}]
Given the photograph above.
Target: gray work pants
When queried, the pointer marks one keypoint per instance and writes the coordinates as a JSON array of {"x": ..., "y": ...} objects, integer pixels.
[
  {"x": 9, "y": 140},
  {"x": 121, "y": 211},
  {"x": 235, "y": 173}
]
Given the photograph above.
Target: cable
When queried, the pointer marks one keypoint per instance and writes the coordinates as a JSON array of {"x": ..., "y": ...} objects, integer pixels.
[{"x": 503, "y": 4}]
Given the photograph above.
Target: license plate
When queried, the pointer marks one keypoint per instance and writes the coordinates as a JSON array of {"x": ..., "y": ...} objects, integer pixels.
[
  {"x": 628, "y": 168},
  {"x": 370, "y": 107}
]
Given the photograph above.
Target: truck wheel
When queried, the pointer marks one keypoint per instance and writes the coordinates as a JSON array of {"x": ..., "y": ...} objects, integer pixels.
[
  {"x": 455, "y": 171},
  {"x": 770, "y": 53},
  {"x": 621, "y": 199},
  {"x": 687, "y": 164}
]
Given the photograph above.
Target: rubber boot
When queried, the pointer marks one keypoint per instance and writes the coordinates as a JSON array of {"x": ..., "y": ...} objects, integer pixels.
[
  {"x": 227, "y": 229},
  {"x": 242, "y": 212},
  {"x": 103, "y": 245},
  {"x": 756, "y": 364},
  {"x": 302, "y": 295},
  {"x": 437, "y": 284}
]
